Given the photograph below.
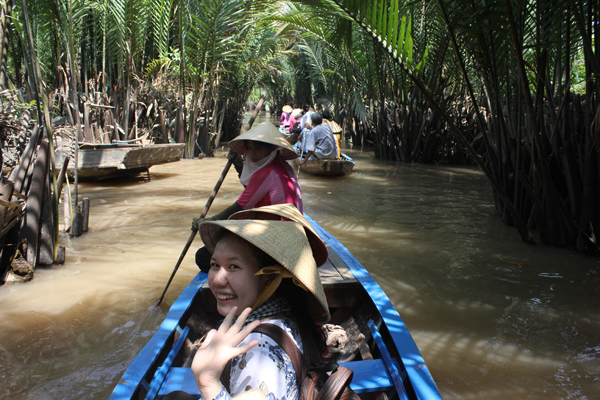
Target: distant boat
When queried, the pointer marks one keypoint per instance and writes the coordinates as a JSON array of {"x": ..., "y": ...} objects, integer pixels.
[
  {"x": 292, "y": 138},
  {"x": 115, "y": 160},
  {"x": 343, "y": 165},
  {"x": 383, "y": 355}
]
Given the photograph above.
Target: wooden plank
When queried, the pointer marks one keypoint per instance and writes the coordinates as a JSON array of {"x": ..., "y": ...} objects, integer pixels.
[
  {"x": 411, "y": 359},
  {"x": 45, "y": 254},
  {"x": 19, "y": 173},
  {"x": 153, "y": 155},
  {"x": 329, "y": 273},
  {"x": 340, "y": 265},
  {"x": 342, "y": 166},
  {"x": 347, "y": 294},
  {"x": 136, "y": 373},
  {"x": 30, "y": 229}
]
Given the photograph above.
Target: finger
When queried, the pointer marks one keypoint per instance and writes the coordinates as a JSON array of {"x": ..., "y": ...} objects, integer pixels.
[
  {"x": 228, "y": 318},
  {"x": 249, "y": 328},
  {"x": 242, "y": 318},
  {"x": 242, "y": 349},
  {"x": 246, "y": 331},
  {"x": 208, "y": 338}
]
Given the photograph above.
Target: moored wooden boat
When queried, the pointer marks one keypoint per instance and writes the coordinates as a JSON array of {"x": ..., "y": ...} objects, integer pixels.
[
  {"x": 106, "y": 161},
  {"x": 343, "y": 165},
  {"x": 381, "y": 351}
]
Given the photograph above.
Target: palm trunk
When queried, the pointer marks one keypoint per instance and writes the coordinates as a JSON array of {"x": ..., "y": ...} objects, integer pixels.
[{"x": 5, "y": 15}]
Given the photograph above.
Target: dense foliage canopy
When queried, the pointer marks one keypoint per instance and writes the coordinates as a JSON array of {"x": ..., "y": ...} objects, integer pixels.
[{"x": 511, "y": 85}]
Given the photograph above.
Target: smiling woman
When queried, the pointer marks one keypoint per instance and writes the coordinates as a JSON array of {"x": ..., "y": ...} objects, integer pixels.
[
  {"x": 232, "y": 278},
  {"x": 256, "y": 280}
]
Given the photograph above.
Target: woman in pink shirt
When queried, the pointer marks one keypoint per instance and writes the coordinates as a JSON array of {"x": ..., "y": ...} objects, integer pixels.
[
  {"x": 266, "y": 175},
  {"x": 286, "y": 116}
]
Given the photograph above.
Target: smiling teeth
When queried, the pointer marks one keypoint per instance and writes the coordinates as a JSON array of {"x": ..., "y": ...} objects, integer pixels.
[{"x": 225, "y": 297}]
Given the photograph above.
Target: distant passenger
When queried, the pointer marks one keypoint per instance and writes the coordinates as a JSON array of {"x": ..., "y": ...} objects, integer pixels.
[
  {"x": 335, "y": 128},
  {"x": 321, "y": 143},
  {"x": 286, "y": 116},
  {"x": 305, "y": 120},
  {"x": 295, "y": 127}
]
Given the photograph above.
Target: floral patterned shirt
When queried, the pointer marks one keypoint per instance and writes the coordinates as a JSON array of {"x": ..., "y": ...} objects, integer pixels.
[{"x": 266, "y": 362}]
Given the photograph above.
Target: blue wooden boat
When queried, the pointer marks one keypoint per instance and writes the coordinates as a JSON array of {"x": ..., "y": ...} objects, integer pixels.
[{"x": 381, "y": 351}]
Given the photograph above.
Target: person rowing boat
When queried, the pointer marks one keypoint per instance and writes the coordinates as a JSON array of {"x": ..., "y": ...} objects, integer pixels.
[{"x": 267, "y": 177}]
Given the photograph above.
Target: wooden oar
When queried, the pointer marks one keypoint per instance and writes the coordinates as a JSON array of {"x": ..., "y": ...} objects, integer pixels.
[
  {"x": 207, "y": 206},
  {"x": 194, "y": 230},
  {"x": 301, "y": 154}
]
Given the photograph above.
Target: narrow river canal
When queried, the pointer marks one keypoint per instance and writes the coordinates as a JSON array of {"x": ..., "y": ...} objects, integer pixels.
[{"x": 493, "y": 317}]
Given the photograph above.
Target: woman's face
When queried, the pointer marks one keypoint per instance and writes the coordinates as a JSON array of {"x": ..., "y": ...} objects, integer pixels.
[
  {"x": 257, "y": 151},
  {"x": 231, "y": 276}
]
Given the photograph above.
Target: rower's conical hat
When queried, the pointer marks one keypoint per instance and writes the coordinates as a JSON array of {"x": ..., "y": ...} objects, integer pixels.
[
  {"x": 287, "y": 244},
  {"x": 265, "y": 132},
  {"x": 287, "y": 109}
]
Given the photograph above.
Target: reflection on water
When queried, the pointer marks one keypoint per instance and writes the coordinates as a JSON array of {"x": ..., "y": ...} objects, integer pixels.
[{"x": 493, "y": 317}]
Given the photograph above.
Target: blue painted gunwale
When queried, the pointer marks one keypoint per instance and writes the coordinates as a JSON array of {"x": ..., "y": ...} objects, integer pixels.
[
  {"x": 417, "y": 371},
  {"x": 346, "y": 158}
]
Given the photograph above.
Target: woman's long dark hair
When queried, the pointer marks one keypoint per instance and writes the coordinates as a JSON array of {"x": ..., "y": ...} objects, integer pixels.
[{"x": 313, "y": 338}]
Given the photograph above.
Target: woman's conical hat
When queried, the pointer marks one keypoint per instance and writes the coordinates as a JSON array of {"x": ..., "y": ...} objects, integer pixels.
[
  {"x": 287, "y": 109},
  {"x": 288, "y": 212},
  {"x": 286, "y": 243},
  {"x": 265, "y": 132}
]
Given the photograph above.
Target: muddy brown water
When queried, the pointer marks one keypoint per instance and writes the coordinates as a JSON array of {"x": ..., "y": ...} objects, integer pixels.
[{"x": 493, "y": 317}]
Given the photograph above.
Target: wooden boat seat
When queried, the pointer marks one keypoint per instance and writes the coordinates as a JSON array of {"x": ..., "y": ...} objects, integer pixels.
[{"x": 369, "y": 376}]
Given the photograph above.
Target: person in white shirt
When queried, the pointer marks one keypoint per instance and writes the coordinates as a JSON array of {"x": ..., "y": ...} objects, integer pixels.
[{"x": 305, "y": 121}]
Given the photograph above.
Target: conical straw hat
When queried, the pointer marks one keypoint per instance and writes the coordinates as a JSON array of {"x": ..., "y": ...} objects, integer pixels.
[
  {"x": 287, "y": 109},
  {"x": 286, "y": 243},
  {"x": 265, "y": 132},
  {"x": 283, "y": 212},
  {"x": 335, "y": 127}
]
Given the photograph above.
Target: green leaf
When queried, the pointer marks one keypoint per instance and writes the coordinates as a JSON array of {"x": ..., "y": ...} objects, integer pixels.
[
  {"x": 394, "y": 38},
  {"x": 384, "y": 20},
  {"x": 381, "y": 17},
  {"x": 365, "y": 11},
  {"x": 421, "y": 66},
  {"x": 409, "y": 42},
  {"x": 401, "y": 38},
  {"x": 373, "y": 20}
]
